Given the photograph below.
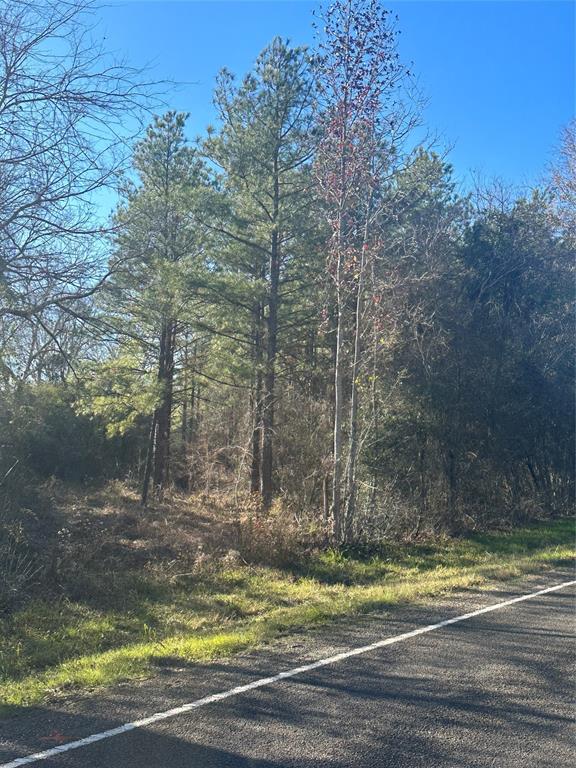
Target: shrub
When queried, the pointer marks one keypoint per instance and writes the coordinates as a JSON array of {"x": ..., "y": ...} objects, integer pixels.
[{"x": 272, "y": 538}]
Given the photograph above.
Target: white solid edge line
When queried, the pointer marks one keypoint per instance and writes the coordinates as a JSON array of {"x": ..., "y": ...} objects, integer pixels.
[{"x": 263, "y": 681}]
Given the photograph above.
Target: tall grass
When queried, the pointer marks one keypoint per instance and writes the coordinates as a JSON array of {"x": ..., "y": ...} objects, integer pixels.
[{"x": 48, "y": 649}]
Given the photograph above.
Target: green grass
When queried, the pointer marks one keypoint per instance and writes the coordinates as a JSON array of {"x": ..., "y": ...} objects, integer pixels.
[{"x": 48, "y": 649}]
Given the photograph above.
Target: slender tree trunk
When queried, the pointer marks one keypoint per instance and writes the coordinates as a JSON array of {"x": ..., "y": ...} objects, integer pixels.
[
  {"x": 338, "y": 409},
  {"x": 188, "y": 407},
  {"x": 164, "y": 411},
  {"x": 271, "y": 348},
  {"x": 192, "y": 426},
  {"x": 270, "y": 377},
  {"x": 184, "y": 425},
  {"x": 337, "y": 468},
  {"x": 256, "y": 404},
  {"x": 256, "y": 463},
  {"x": 374, "y": 396},
  {"x": 351, "y": 490}
]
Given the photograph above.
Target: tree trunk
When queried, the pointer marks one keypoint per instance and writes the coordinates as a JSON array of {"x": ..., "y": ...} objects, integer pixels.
[
  {"x": 271, "y": 348},
  {"x": 164, "y": 410},
  {"x": 194, "y": 418},
  {"x": 338, "y": 410},
  {"x": 270, "y": 377},
  {"x": 374, "y": 399},
  {"x": 351, "y": 485},
  {"x": 337, "y": 473},
  {"x": 184, "y": 424},
  {"x": 256, "y": 404}
]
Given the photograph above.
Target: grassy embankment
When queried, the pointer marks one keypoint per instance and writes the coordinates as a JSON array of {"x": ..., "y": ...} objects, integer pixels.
[{"x": 46, "y": 649}]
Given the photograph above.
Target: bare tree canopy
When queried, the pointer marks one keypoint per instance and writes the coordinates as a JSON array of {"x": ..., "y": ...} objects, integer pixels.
[
  {"x": 564, "y": 179},
  {"x": 66, "y": 111}
]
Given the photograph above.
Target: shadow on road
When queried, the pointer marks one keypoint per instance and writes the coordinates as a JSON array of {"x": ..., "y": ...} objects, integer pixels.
[{"x": 493, "y": 691}]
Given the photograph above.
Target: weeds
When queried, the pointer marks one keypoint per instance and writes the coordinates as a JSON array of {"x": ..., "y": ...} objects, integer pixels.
[{"x": 227, "y": 606}]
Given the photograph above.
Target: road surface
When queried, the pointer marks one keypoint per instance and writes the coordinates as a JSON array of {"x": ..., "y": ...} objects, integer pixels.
[{"x": 496, "y": 689}]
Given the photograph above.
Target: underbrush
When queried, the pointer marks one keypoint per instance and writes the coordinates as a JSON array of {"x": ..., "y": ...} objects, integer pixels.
[{"x": 193, "y": 579}]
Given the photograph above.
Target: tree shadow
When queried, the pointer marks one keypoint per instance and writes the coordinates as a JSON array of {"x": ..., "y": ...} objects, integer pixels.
[{"x": 488, "y": 692}]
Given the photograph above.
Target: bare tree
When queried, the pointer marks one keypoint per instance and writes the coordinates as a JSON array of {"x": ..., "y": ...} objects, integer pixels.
[
  {"x": 363, "y": 121},
  {"x": 67, "y": 111},
  {"x": 564, "y": 180}
]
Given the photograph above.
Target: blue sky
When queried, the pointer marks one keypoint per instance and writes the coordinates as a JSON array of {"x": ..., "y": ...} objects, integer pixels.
[{"x": 498, "y": 76}]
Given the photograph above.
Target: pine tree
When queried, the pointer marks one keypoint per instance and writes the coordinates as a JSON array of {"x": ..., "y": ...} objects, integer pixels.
[
  {"x": 159, "y": 244},
  {"x": 264, "y": 148}
]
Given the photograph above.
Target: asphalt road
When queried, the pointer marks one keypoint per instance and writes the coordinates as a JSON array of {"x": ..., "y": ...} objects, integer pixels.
[{"x": 494, "y": 690}]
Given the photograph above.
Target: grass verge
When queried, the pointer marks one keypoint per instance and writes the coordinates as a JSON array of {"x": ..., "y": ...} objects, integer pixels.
[{"x": 49, "y": 649}]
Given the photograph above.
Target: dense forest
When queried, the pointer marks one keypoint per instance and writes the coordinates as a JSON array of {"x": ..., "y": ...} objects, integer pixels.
[{"x": 299, "y": 311}]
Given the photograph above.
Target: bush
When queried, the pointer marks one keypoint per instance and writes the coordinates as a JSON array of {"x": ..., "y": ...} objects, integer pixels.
[
  {"x": 272, "y": 538},
  {"x": 40, "y": 429}
]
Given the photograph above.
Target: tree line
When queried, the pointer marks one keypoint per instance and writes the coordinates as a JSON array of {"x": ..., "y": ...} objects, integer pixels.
[{"x": 300, "y": 305}]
